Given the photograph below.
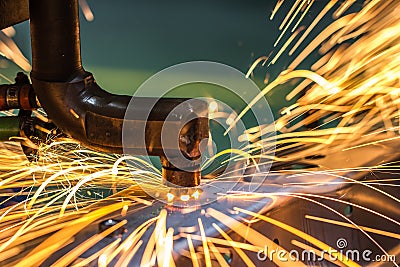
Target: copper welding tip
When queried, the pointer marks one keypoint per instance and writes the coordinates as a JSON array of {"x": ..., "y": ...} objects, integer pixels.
[{"x": 176, "y": 177}]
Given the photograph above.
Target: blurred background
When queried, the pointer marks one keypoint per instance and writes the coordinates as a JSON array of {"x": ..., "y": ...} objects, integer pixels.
[{"x": 129, "y": 41}]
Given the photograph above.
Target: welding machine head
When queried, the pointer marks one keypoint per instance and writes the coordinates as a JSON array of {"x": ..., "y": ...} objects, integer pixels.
[{"x": 80, "y": 108}]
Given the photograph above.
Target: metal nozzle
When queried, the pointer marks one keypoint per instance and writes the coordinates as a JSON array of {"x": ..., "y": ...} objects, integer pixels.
[
  {"x": 174, "y": 176},
  {"x": 181, "y": 178}
]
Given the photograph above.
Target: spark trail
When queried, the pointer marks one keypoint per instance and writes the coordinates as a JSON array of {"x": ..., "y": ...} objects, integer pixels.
[{"x": 354, "y": 86}]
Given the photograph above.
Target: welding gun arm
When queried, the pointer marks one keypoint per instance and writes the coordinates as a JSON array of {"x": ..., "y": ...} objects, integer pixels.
[{"x": 76, "y": 104}]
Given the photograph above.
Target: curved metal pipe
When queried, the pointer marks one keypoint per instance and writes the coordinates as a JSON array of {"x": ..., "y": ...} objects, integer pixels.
[
  {"x": 80, "y": 108},
  {"x": 55, "y": 40}
]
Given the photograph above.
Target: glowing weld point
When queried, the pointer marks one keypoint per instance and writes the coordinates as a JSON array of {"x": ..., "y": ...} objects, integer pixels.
[
  {"x": 196, "y": 194},
  {"x": 185, "y": 197},
  {"x": 170, "y": 197}
]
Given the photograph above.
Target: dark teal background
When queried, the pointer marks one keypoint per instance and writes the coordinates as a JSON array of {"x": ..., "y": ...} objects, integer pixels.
[{"x": 129, "y": 41}]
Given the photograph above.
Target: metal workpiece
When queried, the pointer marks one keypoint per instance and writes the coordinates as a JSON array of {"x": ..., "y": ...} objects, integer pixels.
[{"x": 80, "y": 108}]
